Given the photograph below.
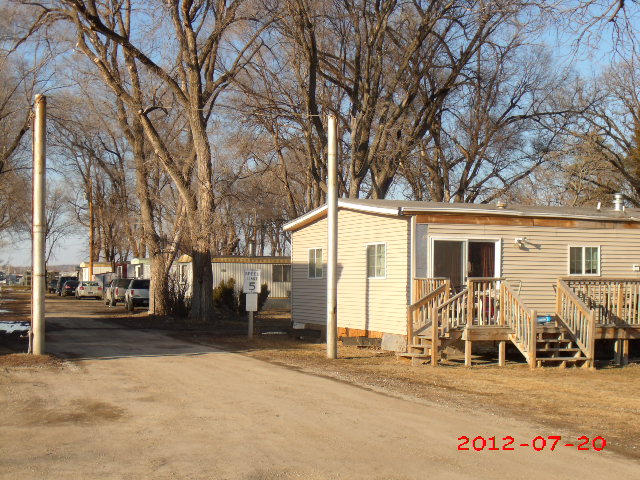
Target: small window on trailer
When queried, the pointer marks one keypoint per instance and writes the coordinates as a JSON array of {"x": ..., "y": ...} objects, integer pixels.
[
  {"x": 315, "y": 263},
  {"x": 584, "y": 260},
  {"x": 281, "y": 273},
  {"x": 377, "y": 260}
]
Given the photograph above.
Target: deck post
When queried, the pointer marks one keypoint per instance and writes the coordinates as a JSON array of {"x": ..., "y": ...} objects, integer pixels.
[
  {"x": 617, "y": 349},
  {"x": 620, "y": 301},
  {"x": 470, "y": 305},
  {"x": 409, "y": 326},
  {"x": 502, "y": 318},
  {"x": 502, "y": 349},
  {"x": 435, "y": 339},
  {"x": 558, "y": 298},
  {"x": 467, "y": 351},
  {"x": 533, "y": 338},
  {"x": 621, "y": 351},
  {"x": 592, "y": 339}
]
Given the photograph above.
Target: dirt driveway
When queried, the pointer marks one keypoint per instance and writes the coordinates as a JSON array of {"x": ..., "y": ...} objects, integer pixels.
[{"x": 136, "y": 404}]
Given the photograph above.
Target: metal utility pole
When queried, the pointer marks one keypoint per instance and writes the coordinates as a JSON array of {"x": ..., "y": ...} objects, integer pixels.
[
  {"x": 332, "y": 238},
  {"x": 90, "y": 225},
  {"x": 39, "y": 224}
]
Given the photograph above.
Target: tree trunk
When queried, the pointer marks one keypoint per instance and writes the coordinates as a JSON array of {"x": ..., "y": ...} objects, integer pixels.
[
  {"x": 158, "y": 295},
  {"x": 202, "y": 286}
]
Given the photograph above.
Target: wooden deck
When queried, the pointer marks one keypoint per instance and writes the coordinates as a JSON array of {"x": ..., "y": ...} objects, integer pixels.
[{"x": 489, "y": 310}]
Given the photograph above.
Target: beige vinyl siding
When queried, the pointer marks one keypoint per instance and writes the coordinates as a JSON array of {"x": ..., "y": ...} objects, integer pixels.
[
  {"x": 547, "y": 255},
  {"x": 374, "y": 304},
  {"x": 308, "y": 295}
]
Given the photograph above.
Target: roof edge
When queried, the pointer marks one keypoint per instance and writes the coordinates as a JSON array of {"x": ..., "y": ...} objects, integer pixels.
[
  {"x": 304, "y": 219},
  {"x": 319, "y": 212},
  {"x": 515, "y": 213}
]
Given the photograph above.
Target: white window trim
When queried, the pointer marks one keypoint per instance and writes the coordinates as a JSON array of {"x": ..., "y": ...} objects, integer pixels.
[
  {"x": 321, "y": 266},
  {"x": 569, "y": 247},
  {"x": 366, "y": 247},
  {"x": 497, "y": 267}
]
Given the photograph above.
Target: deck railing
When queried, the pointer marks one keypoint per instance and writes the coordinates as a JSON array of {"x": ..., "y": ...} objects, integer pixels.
[
  {"x": 578, "y": 318},
  {"x": 419, "y": 313},
  {"x": 523, "y": 322},
  {"x": 483, "y": 306},
  {"x": 613, "y": 300},
  {"x": 424, "y": 286}
]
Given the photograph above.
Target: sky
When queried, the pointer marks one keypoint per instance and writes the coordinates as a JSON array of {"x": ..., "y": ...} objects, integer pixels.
[{"x": 74, "y": 249}]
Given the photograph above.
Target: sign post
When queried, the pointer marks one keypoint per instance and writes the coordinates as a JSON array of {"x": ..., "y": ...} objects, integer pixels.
[{"x": 251, "y": 288}]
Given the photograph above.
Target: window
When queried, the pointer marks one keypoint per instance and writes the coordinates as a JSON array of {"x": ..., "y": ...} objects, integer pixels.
[
  {"x": 584, "y": 260},
  {"x": 315, "y": 263},
  {"x": 183, "y": 273},
  {"x": 377, "y": 260},
  {"x": 281, "y": 273}
]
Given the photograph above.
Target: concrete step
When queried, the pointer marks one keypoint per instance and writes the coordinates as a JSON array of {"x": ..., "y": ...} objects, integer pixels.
[{"x": 412, "y": 355}]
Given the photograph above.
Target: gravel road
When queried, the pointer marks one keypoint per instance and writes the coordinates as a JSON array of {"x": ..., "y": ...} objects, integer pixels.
[{"x": 135, "y": 404}]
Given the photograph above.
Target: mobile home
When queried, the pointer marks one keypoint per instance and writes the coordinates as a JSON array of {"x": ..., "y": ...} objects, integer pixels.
[
  {"x": 275, "y": 272},
  {"x": 481, "y": 267}
]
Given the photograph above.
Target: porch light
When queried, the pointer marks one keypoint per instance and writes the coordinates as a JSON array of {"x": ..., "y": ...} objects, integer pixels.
[{"x": 520, "y": 242}]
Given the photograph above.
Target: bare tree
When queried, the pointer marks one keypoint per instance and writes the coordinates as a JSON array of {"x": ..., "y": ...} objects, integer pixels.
[
  {"x": 603, "y": 142},
  {"x": 59, "y": 220},
  {"x": 23, "y": 72},
  {"x": 212, "y": 43},
  {"x": 397, "y": 75}
]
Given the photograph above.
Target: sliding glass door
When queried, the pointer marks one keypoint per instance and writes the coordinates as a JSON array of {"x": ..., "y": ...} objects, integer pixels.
[
  {"x": 448, "y": 261},
  {"x": 460, "y": 259}
]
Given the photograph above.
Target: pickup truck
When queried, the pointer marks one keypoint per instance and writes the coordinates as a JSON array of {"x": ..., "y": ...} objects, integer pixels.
[
  {"x": 114, "y": 292},
  {"x": 137, "y": 294}
]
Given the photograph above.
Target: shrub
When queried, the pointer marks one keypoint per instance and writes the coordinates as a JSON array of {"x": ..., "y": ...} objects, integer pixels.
[
  {"x": 178, "y": 303},
  {"x": 224, "y": 295}
]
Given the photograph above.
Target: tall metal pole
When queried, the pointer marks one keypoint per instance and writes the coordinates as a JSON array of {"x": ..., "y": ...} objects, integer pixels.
[
  {"x": 332, "y": 238},
  {"x": 91, "y": 252},
  {"x": 39, "y": 224}
]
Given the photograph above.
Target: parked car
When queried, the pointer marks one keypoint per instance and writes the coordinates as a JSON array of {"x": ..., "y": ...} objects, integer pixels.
[
  {"x": 88, "y": 289},
  {"x": 61, "y": 282},
  {"x": 69, "y": 288},
  {"x": 52, "y": 285},
  {"x": 114, "y": 292},
  {"x": 137, "y": 294},
  {"x": 104, "y": 279}
]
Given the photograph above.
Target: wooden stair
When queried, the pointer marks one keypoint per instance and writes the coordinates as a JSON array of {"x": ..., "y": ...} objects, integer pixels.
[
  {"x": 555, "y": 348},
  {"x": 420, "y": 353}
]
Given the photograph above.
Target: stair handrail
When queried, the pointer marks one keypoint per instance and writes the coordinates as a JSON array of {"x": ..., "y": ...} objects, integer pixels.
[
  {"x": 453, "y": 312},
  {"x": 522, "y": 321},
  {"x": 577, "y": 318},
  {"x": 421, "y": 310}
]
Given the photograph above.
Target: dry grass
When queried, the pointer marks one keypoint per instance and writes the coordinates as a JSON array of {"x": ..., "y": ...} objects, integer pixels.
[
  {"x": 575, "y": 402},
  {"x": 17, "y": 360}
]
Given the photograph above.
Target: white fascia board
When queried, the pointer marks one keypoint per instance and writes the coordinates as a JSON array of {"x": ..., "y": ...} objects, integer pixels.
[
  {"x": 342, "y": 203},
  {"x": 345, "y": 203},
  {"x": 515, "y": 213},
  {"x": 316, "y": 212}
]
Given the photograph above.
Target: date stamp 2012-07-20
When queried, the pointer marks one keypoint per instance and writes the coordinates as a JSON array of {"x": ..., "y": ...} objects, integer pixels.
[{"x": 539, "y": 443}]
